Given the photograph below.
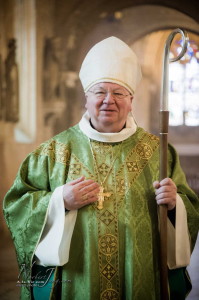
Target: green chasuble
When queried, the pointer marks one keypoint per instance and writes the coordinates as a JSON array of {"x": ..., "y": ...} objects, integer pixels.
[{"x": 114, "y": 251}]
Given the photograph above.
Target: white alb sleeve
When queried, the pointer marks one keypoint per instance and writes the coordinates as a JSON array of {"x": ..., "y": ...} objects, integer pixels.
[
  {"x": 54, "y": 245},
  {"x": 178, "y": 242}
]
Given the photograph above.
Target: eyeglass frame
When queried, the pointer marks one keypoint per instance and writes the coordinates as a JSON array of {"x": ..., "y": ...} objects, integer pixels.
[{"x": 107, "y": 92}]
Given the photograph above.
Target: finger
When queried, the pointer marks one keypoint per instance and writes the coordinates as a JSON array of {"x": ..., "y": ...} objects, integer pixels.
[
  {"x": 92, "y": 188},
  {"x": 93, "y": 199},
  {"x": 167, "y": 181},
  {"x": 163, "y": 201},
  {"x": 165, "y": 189},
  {"x": 86, "y": 183},
  {"x": 88, "y": 201},
  {"x": 73, "y": 182},
  {"x": 91, "y": 194},
  {"x": 156, "y": 184},
  {"x": 165, "y": 196}
]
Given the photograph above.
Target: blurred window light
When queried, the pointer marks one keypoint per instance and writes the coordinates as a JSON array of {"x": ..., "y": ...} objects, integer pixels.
[{"x": 184, "y": 86}]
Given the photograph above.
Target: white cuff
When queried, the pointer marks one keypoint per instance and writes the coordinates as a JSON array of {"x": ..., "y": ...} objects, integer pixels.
[
  {"x": 178, "y": 243},
  {"x": 53, "y": 248}
]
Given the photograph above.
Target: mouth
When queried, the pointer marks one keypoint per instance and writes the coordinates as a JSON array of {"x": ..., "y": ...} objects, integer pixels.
[{"x": 107, "y": 110}]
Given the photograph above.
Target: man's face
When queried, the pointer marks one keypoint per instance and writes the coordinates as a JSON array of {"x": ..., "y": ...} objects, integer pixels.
[{"x": 108, "y": 114}]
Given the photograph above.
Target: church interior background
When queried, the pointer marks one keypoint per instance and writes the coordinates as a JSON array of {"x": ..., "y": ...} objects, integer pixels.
[{"x": 42, "y": 45}]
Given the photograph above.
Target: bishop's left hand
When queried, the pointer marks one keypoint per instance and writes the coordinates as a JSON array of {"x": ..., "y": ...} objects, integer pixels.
[{"x": 166, "y": 192}]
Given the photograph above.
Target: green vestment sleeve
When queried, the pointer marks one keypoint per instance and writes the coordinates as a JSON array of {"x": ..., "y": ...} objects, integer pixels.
[
  {"x": 189, "y": 198},
  {"x": 26, "y": 204}
]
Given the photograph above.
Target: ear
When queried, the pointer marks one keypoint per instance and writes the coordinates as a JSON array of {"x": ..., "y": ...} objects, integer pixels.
[
  {"x": 131, "y": 102},
  {"x": 86, "y": 96}
]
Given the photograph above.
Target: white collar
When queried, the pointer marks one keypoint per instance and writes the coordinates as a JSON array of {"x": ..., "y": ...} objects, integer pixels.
[{"x": 115, "y": 137}]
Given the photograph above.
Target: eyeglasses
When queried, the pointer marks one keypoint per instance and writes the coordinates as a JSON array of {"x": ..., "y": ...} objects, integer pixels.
[{"x": 102, "y": 94}]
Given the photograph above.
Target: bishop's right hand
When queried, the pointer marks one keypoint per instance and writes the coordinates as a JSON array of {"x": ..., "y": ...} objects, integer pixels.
[{"x": 80, "y": 192}]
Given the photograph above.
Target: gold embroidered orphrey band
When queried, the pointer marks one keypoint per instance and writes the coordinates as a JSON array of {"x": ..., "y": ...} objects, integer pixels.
[{"x": 108, "y": 233}]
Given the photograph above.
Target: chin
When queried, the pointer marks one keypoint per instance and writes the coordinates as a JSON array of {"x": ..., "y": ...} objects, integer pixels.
[{"x": 107, "y": 120}]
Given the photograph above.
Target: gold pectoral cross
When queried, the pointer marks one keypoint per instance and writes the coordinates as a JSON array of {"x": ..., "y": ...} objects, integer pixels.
[{"x": 101, "y": 196}]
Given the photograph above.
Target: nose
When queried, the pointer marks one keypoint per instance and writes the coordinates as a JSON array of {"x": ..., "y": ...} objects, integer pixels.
[{"x": 109, "y": 99}]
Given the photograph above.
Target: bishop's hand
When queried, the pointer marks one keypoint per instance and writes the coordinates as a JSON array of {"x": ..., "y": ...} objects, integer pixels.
[
  {"x": 166, "y": 192},
  {"x": 80, "y": 192}
]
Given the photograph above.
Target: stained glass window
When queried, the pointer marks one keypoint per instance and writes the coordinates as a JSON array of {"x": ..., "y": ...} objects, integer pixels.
[{"x": 184, "y": 87}]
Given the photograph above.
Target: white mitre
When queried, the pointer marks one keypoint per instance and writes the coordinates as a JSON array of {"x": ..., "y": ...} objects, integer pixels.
[{"x": 111, "y": 60}]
